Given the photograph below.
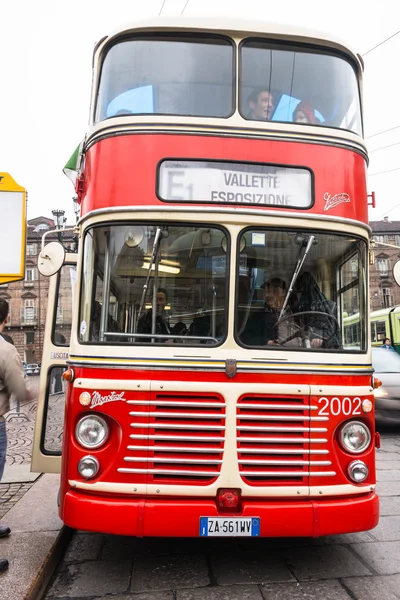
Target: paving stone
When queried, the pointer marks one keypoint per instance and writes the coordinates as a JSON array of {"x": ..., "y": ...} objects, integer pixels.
[
  {"x": 325, "y": 562},
  {"x": 146, "y": 596},
  {"x": 250, "y": 568},
  {"x": 328, "y": 589},
  {"x": 346, "y": 538},
  {"x": 389, "y": 505},
  {"x": 382, "y": 557},
  {"x": 375, "y": 588},
  {"x": 386, "y": 464},
  {"x": 120, "y": 547},
  {"x": 388, "y": 488},
  {"x": 225, "y": 592},
  {"x": 84, "y": 546},
  {"x": 382, "y": 455},
  {"x": 388, "y": 475},
  {"x": 92, "y": 579},
  {"x": 166, "y": 573},
  {"x": 388, "y": 529}
]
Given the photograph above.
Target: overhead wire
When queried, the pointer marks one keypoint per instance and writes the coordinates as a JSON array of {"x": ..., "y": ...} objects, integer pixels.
[
  {"x": 382, "y": 172},
  {"x": 381, "y": 132},
  {"x": 183, "y": 9},
  {"x": 381, "y": 43},
  {"x": 383, "y": 147},
  {"x": 162, "y": 6}
]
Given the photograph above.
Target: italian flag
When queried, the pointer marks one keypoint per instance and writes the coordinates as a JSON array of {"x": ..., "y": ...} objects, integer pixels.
[{"x": 72, "y": 167}]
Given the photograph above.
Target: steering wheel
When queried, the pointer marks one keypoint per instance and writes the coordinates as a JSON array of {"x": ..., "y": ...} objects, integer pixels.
[{"x": 303, "y": 330}]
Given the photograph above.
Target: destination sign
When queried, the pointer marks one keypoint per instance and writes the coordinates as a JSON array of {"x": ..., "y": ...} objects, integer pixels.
[{"x": 234, "y": 183}]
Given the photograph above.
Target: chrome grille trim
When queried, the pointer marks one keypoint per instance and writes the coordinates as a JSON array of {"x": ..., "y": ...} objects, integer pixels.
[
  {"x": 279, "y": 406},
  {"x": 193, "y": 461},
  {"x": 169, "y": 472},
  {"x": 287, "y": 429},
  {"x": 174, "y": 438},
  {"x": 283, "y": 440},
  {"x": 178, "y": 438},
  {"x": 286, "y": 462},
  {"x": 289, "y": 473},
  {"x": 176, "y": 426},
  {"x": 177, "y": 449},
  {"x": 172, "y": 403},
  {"x": 280, "y": 432},
  {"x": 279, "y": 418},
  {"x": 172, "y": 415}
]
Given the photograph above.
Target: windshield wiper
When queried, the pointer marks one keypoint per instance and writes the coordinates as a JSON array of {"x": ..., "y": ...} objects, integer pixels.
[
  {"x": 156, "y": 243},
  {"x": 306, "y": 245}
]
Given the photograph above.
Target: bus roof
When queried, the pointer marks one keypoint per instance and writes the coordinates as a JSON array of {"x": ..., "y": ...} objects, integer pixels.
[{"x": 230, "y": 26}]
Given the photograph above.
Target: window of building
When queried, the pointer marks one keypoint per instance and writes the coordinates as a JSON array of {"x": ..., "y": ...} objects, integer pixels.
[
  {"x": 379, "y": 238},
  {"x": 31, "y": 250},
  {"x": 29, "y": 310},
  {"x": 30, "y": 337},
  {"x": 382, "y": 264},
  {"x": 31, "y": 274},
  {"x": 387, "y": 299}
]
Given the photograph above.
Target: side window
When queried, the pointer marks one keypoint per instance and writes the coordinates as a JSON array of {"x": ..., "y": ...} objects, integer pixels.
[
  {"x": 64, "y": 307},
  {"x": 51, "y": 442}
]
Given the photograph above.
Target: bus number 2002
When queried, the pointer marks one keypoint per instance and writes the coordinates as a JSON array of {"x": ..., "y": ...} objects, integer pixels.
[{"x": 336, "y": 406}]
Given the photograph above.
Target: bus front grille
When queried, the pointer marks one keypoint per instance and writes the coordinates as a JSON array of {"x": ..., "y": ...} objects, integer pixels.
[
  {"x": 280, "y": 441},
  {"x": 181, "y": 442}
]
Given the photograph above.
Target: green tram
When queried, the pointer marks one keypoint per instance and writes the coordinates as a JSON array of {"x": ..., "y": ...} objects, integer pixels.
[{"x": 384, "y": 323}]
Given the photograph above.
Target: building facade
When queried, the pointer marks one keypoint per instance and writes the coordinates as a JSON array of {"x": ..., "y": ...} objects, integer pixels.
[
  {"x": 28, "y": 298},
  {"x": 384, "y": 291}
]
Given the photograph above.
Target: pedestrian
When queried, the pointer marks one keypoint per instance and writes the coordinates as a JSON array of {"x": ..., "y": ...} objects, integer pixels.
[
  {"x": 11, "y": 382},
  {"x": 387, "y": 344}
]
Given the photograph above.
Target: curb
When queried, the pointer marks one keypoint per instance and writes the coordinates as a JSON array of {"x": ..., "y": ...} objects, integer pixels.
[{"x": 50, "y": 562}]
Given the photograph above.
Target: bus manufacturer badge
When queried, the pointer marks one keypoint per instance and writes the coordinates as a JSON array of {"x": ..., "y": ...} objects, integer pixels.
[
  {"x": 230, "y": 367},
  {"x": 99, "y": 400},
  {"x": 332, "y": 201}
]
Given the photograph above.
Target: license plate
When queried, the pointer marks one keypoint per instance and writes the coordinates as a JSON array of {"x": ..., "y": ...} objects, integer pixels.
[{"x": 235, "y": 527}]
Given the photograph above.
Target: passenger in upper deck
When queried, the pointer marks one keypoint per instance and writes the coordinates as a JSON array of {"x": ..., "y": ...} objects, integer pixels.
[
  {"x": 261, "y": 105},
  {"x": 304, "y": 113}
]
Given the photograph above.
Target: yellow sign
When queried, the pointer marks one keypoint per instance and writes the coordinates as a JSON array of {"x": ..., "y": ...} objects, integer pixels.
[{"x": 12, "y": 229}]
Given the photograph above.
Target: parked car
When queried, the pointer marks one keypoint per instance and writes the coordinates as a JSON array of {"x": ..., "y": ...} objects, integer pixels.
[
  {"x": 24, "y": 367},
  {"x": 33, "y": 369},
  {"x": 387, "y": 397}
]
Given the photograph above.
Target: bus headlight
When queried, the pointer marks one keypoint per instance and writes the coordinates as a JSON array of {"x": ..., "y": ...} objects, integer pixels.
[
  {"x": 91, "y": 431},
  {"x": 355, "y": 437},
  {"x": 357, "y": 471},
  {"x": 88, "y": 467}
]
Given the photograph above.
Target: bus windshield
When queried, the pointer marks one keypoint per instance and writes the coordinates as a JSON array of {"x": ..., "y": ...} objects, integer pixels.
[
  {"x": 296, "y": 289},
  {"x": 154, "y": 283},
  {"x": 167, "y": 76},
  {"x": 279, "y": 83}
]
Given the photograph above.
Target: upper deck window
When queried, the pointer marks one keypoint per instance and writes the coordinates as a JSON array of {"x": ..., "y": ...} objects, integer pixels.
[
  {"x": 167, "y": 75},
  {"x": 293, "y": 85}
]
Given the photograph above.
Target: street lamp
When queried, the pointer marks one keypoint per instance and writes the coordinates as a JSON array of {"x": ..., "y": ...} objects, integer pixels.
[{"x": 59, "y": 219}]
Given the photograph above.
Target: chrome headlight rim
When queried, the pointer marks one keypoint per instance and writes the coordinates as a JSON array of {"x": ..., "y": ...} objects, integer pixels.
[
  {"x": 95, "y": 461},
  {"x": 351, "y": 450},
  {"x": 102, "y": 422},
  {"x": 352, "y": 465}
]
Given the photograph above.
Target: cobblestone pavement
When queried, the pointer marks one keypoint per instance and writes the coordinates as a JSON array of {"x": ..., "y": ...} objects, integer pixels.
[{"x": 362, "y": 566}]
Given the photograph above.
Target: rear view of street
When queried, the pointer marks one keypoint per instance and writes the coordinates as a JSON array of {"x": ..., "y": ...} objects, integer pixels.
[{"x": 362, "y": 566}]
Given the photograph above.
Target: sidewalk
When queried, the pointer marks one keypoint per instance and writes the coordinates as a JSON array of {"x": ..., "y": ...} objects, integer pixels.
[{"x": 36, "y": 543}]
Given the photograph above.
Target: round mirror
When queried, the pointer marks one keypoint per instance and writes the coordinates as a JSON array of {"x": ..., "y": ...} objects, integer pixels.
[
  {"x": 51, "y": 259},
  {"x": 396, "y": 272}
]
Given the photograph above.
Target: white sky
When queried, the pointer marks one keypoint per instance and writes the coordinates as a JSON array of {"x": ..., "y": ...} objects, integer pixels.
[{"x": 46, "y": 49}]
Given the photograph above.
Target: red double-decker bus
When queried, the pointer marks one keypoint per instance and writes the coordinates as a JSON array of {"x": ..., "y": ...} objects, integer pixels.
[{"x": 198, "y": 327}]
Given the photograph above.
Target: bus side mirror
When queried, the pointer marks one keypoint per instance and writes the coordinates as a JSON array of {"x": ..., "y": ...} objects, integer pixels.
[{"x": 51, "y": 259}]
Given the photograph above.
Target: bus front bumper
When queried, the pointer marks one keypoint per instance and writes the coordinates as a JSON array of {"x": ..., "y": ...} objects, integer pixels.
[{"x": 166, "y": 517}]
